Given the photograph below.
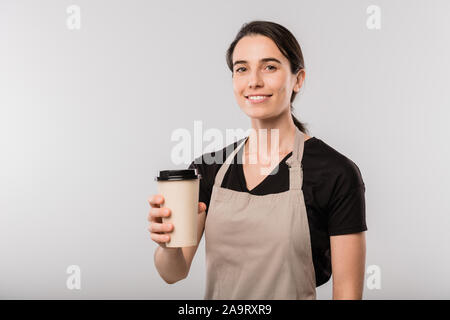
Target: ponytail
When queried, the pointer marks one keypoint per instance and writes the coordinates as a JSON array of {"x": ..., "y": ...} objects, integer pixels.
[{"x": 301, "y": 126}]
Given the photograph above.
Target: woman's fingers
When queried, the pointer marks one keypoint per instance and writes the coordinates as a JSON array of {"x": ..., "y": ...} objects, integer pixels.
[
  {"x": 159, "y": 231},
  {"x": 156, "y": 214},
  {"x": 160, "y": 227},
  {"x": 201, "y": 207},
  {"x": 156, "y": 200},
  {"x": 161, "y": 239}
]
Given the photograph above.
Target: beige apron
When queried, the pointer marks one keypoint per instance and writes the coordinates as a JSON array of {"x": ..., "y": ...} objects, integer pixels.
[{"x": 258, "y": 247}]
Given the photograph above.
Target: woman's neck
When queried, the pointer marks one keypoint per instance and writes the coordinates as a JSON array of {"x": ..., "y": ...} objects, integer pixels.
[{"x": 271, "y": 137}]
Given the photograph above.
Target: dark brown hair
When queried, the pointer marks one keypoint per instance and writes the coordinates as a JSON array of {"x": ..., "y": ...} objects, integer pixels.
[{"x": 284, "y": 40}]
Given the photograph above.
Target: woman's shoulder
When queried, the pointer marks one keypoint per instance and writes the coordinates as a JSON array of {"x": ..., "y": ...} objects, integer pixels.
[
  {"x": 333, "y": 164},
  {"x": 209, "y": 163},
  {"x": 217, "y": 157}
]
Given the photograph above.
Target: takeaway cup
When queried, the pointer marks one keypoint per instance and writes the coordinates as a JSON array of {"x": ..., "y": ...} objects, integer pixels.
[{"x": 180, "y": 189}]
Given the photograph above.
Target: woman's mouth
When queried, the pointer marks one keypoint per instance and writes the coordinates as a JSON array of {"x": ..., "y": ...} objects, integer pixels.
[{"x": 257, "y": 98}]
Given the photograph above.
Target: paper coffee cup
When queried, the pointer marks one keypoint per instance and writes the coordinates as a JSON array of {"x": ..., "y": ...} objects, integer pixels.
[{"x": 180, "y": 189}]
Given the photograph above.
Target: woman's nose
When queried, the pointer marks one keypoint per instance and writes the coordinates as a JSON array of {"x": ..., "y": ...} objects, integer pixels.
[{"x": 255, "y": 80}]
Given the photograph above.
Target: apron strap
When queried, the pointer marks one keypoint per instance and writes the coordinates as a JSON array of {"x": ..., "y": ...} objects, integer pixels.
[
  {"x": 295, "y": 162},
  {"x": 223, "y": 168}
]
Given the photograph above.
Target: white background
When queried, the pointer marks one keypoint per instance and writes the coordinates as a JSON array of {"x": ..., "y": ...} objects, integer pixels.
[{"x": 86, "y": 118}]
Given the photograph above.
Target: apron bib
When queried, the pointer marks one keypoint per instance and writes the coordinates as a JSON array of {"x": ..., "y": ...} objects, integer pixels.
[{"x": 258, "y": 247}]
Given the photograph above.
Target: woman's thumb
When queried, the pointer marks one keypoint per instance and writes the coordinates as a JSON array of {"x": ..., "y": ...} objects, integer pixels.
[{"x": 201, "y": 206}]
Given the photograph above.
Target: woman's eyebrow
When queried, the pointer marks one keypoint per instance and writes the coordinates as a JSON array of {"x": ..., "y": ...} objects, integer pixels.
[{"x": 262, "y": 60}]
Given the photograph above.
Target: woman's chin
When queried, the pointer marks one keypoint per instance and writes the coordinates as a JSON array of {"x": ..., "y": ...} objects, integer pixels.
[{"x": 258, "y": 114}]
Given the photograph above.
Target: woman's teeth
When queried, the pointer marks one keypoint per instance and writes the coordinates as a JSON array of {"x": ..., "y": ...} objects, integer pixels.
[{"x": 257, "y": 97}]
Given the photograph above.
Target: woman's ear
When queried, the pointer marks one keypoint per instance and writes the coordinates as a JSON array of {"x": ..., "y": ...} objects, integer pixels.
[{"x": 299, "y": 80}]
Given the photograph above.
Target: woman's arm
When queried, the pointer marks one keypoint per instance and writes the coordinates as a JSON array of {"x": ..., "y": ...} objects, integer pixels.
[{"x": 348, "y": 259}]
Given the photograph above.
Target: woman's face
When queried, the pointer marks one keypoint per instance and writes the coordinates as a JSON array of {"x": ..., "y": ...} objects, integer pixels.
[{"x": 262, "y": 78}]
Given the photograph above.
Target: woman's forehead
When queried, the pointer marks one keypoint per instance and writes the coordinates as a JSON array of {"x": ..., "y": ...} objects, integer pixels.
[{"x": 256, "y": 47}]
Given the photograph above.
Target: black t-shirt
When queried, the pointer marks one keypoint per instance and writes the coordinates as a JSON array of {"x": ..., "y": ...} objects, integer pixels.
[{"x": 333, "y": 190}]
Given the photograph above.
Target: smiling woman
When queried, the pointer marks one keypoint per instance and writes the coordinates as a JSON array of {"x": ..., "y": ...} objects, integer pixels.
[
  {"x": 276, "y": 235},
  {"x": 284, "y": 63}
]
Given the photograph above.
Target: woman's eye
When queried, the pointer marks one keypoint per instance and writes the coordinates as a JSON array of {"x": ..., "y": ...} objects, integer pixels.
[
  {"x": 238, "y": 69},
  {"x": 271, "y": 67}
]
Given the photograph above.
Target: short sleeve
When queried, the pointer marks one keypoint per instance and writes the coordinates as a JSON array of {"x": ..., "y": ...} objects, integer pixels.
[
  {"x": 347, "y": 206},
  {"x": 348, "y": 213}
]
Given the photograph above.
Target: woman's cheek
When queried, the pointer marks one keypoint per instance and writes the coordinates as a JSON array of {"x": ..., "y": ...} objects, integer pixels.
[
  {"x": 237, "y": 87},
  {"x": 275, "y": 81},
  {"x": 239, "y": 90}
]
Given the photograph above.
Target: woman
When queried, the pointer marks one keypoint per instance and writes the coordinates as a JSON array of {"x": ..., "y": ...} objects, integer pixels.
[{"x": 275, "y": 236}]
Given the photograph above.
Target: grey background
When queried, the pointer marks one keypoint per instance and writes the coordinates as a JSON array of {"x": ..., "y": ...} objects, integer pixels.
[{"x": 86, "y": 118}]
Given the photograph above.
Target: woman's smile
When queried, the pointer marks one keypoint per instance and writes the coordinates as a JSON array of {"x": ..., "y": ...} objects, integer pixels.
[{"x": 253, "y": 98}]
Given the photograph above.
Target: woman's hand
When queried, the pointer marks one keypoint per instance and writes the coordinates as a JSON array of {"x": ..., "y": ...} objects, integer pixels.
[{"x": 159, "y": 231}]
